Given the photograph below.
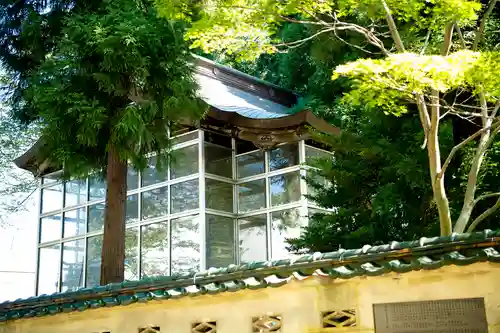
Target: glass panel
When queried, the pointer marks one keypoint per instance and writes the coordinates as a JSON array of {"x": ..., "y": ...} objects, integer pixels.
[
  {"x": 152, "y": 174},
  {"x": 312, "y": 153},
  {"x": 220, "y": 241},
  {"x": 253, "y": 238},
  {"x": 185, "y": 137},
  {"x": 76, "y": 192},
  {"x": 50, "y": 228},
  {"x": 184, "y": 162},
  {"x": 52, "y": 198},
  {"x": 96, "y": 217},
  {"x": 250, "y": 164},
  {"x": 285, "y": 188},
  {"x": 97, "y": 188},
  {"x": 284, "y": 224},
  {"x": 155, "y": 256},
  {"x": 51, "y": 178},
  {"x": 243, "y": 147},
  {"x": 154, "y": 203},
  {"x": 132, "y": 178},
  {"x": 218, "y": 161},
  {"x": 131, "y": 254},
  {"x": 318, "y": 179},
  {"x": 132, "y": 209},
  {"x": 48, "y": 270},
  {"x": 184, "y": 196},
  {"x": 75, "y": 222},
  {"x": 186, "y": 239},
  {"x": 218, "y": 139},
  {"x": 252, "y": 195},
  {"x": 219, "y": 195},
  {"x": 94, "y": 249},
  {"x": 283, "y": 157},
  {"x": 72, "y": 266}
]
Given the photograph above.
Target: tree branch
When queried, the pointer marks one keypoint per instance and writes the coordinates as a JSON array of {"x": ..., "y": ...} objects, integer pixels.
[
  {"x": 393, "y": 29},
  {"x": 482, "y": 25},
  {"x": 460, "y": 36},
  {"x": 426, "y": 43},
  {"x": 484, "y": 215},
  {"x": 486, "y": 196},
  {"x": 448, "y": 37},
  {"x": 455, "y": 149}
]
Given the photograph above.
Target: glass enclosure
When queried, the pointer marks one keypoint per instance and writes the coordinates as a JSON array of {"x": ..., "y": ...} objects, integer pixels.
[{"x": 221, "y": 201}]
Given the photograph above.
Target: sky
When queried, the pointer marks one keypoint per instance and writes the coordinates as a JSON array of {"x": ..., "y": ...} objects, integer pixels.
[{"x": 18, "y": 252}]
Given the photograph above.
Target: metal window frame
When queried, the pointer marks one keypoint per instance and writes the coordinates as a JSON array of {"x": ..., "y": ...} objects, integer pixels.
[{"x": 201, "y": 212}]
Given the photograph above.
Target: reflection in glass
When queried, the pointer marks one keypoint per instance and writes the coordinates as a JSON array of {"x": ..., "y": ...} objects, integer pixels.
[
  {"x": 253, "y": 238},
  {"x": 132, "y": 178},
  {"x": 154, "y": 173},
  {"x": 317, "y": 178},
  {"x": 132, "y": 209},
  {"x": 250, "y": 164},
  {"x": 220, "y": 241},
  {"x": 50, "y": 228},
  {"x": 96, "y": 217},
  {"x": 315, "y": 153},
  {"x": 186, "y": 239},
  {"x": 185, "y": 137},
  {"x": 52, "y": 198},
  {"x": 76, "y": 192},
  {"x": 283, "y": 157},
  {"x": 75, "y": 222},
  {"x": 284, "y": 224},
  {"x": 219, "y": 195},
  {"x": 252, "y": 195},
  {"x": 97, "y": 187},
  {"x": 285, "y": 188},
  {"x": 218, "y": 161},
  {"x": 184, "y": 196},
  {"x": 154, "y": 203},
  {"x": 154, "y": 250},
  {"x": 48, "y": 271},
  {"x": 94, "y": 249},
  {"x": 184, "y": 162},
  {"x": 72, "y": 265},
  {"x": 52, "y": 178},
  {"x": 131, "y": 254}
]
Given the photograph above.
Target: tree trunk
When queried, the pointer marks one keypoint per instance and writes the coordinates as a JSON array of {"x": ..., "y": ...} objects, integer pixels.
[
  {"x": 434, "y": 153},
  {"x": 113, "y": 245}
]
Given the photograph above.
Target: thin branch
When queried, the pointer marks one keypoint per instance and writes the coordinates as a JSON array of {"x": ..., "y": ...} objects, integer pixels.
[
  {"x": 482, "y": 25},
  {"x": 460, "y": 36},
  {"x": 302, "y": 41},
  {"x": 484, "y": 215},
  {"x": 495, "y": 109},
  {"x": 351, "y": 44},
  {"x": 486, "y": 196},
  {"x": 288, "y": 19},
  {"x": 426, "y": 43},
  {"x": 455, "y": 149}
]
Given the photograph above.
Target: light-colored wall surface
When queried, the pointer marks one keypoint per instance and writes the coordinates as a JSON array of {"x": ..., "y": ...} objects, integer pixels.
[{"x": 300, "y": 303}]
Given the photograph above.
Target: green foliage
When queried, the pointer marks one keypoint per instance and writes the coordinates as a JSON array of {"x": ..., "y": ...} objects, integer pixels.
[
  {"x": 247, "y": 28},
  {"x": 384, "y": 83},
  {"x": 118, "y": 75},
  {"x": 380, "y": 172}
]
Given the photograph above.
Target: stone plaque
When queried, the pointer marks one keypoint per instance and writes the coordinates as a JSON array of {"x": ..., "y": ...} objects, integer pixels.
[{"x": 444, "y": 316}]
